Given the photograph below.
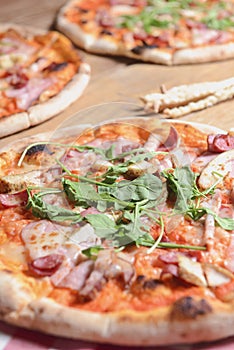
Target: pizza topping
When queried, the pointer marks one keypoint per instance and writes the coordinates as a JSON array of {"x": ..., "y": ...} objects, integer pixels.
[
  {"x": 84, "y": 236},
  {"x": 200, "y": 162},
  {"x": 43, "y": 238},
  {"x": 171, "y": 141},
  {"x": 15, "y": 199},
  {"x": 17, "y": 80},
  {"x": 30, "y": 92},
  {"x": 46, "y": 265},
  {"x": 204, "y": 36},
  {"x": 115, "y": 265},
  {"x": 12, "y": 42},
  {"x": 147, "y": 16},
  {"x": 77, "y": 277},
  {"x": 126, "y": 206},
  {"x": 109, "y": 265},
  {"x": 18, "y": 182},
  {"x": 216, "y": 275},
  {"x": 191, "y": 271},
  {"x": 220, "y": 143},
  {"x": 220, "y": 166}
]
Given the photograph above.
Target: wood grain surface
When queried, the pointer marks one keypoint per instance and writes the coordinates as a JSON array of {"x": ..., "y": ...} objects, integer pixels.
[{"x": 117, "y": 83}]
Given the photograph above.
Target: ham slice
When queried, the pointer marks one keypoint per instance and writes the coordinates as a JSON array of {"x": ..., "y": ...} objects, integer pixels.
[
  {"x": 202, "y": 36},
  {"x": 200, "y": 162},
  {"x": 77, "y": 277},
  {"x": 220, "y": 143},
  {"x": 79, "y": 160},
  {"x": 29, "y": 93},
  {"x": 43, "y": 238},
  {"x": 14, "y": 46},
  {"x": 14, "y": 199},
  {"x": 171, "y": 141},
  {"x": 46, "y": 266}
]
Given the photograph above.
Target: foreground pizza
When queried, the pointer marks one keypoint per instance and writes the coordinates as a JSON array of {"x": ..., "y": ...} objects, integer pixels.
[
  {"x": 40, "y": 75},
  {"x": 166, "y": 32},
  {"x": 121, "y": 233}
]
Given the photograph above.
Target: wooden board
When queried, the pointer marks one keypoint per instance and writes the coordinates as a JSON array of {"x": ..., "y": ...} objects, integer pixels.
[{"x": 118, "y": 79}]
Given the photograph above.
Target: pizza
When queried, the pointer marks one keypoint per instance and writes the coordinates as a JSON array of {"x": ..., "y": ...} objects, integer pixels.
[
  {"x": 120, "y": 233},
  {"x": 40, "y": 75},
  {"x": 164, "y": 32},
  {"x": 184, "y": 99}
]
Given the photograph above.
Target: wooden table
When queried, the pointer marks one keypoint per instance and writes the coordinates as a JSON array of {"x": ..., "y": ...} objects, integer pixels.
[{"x": 117, "y": 79}]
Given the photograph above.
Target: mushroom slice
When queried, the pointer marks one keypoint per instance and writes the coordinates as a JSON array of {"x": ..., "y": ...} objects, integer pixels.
[
  {"x": 222, "y": 164},
  {"x": 141, "y": 168},
  {"x": 216, "y": 275},
  {"x": 191, "y": 271}
]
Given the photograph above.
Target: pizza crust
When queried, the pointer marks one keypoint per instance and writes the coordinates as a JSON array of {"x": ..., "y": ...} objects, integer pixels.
[
  {"x": 204, "y": 54},
  {"x": 40, "y": 112},
  {"x": 124, "y": 327},
  {"x": 69, "y": 94},
  {"x": 13, "y": 294},
  {"x": 14, "y": 123}
]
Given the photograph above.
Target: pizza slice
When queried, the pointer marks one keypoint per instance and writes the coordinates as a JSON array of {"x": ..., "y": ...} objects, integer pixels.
[
  {"x": 164, "y": 32},
  {"x": 40, "y": 75}
]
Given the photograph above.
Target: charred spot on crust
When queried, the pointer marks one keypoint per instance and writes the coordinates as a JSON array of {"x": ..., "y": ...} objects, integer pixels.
[
  {"x": 151, "y": 284},
  {"x": 56, "y": 67},
  {"x": 106, "y": 32},
  {"x": 189, "y": 308},
  {"x": 142, "y": 283},
  {"x": 38, "y": 149},
  {"x": 81, "y": 9},
  {"x": 139, "y": 49}
]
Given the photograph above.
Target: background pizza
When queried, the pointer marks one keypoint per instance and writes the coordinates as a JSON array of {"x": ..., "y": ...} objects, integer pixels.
[
  {"x": 41, "y": 74},
  {"x": 167, "y": 32}
]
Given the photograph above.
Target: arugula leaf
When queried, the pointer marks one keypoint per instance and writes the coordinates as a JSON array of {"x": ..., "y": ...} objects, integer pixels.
[
  {"x": 213, "y": 21},
  {"x": 92, "y": 252},
  {"x": 198, "y": 213},
  {"x": 103, "y": 225},
  {"x": 43, "y": 210},
  {"x": 226, "y": 223},
  {"x": 80, "y": 193},
  {"x": 181, "y": 182},
  {"x": 172, "y": 245},
  {"x": 147, "y": 186}
]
